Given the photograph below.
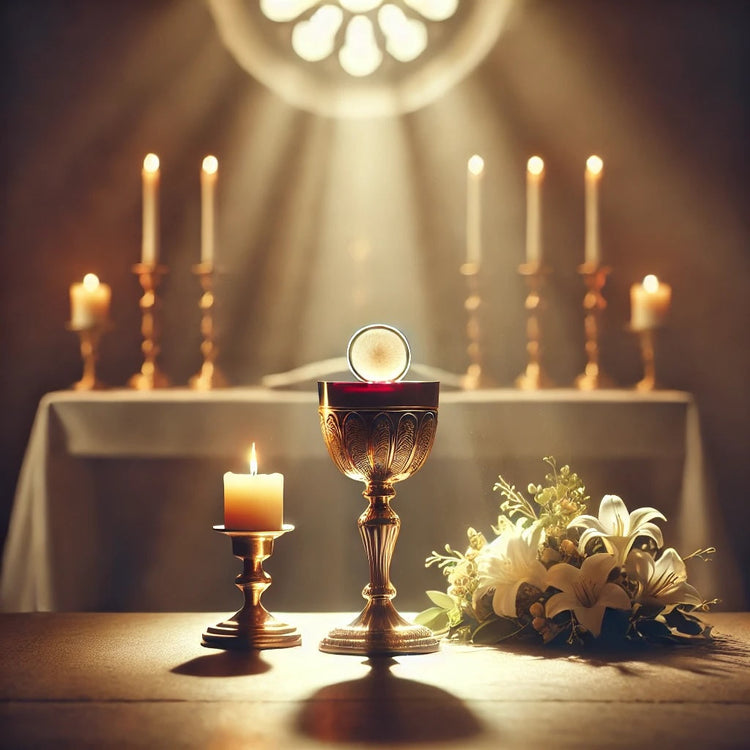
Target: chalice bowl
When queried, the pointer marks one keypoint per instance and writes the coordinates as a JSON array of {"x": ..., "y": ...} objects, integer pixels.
[{"x": 379, "y": 433}]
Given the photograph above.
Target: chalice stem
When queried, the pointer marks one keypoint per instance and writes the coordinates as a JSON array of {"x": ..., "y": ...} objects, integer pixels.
[{"x": 379, "y": 526}]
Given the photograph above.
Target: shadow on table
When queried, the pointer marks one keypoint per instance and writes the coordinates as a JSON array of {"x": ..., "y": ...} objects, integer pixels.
[
  {"x": 719, "y": 656},
  {"x": 224, "y": 664},
  {"x": 382, "y": 708}
]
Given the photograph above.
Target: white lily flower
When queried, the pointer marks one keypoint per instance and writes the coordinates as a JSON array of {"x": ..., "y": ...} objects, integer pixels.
[
  {"x": 617, "y": 528},
  {"x": 507, "y": 562},
  {"x": 585, "y": 591},
  {"x": 662, "y": 581}
]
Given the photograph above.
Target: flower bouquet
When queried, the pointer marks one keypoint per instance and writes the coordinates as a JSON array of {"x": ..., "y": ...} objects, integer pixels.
[{"x": 556, "y": 573}]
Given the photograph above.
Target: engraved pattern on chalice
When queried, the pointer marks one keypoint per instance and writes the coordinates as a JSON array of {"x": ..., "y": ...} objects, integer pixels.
[{"x": 379, "y": 434}]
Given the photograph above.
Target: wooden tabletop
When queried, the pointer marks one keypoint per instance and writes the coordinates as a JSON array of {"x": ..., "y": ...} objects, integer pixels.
[{"x": 101, "y": 680}]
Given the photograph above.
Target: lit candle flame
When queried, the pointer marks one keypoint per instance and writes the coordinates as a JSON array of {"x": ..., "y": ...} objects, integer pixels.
[
  {"x": 252, "y": 460},
  {"x": 535, "y": 165},
  {"x": 476, "y": 164},
  {"x": 90, "y": 282},
  {"x": 651, "y": 283},
  {"x": 594, "y": 164},
  {"x": 210, "y": 165},
  {"x": 151, "y": 163}
]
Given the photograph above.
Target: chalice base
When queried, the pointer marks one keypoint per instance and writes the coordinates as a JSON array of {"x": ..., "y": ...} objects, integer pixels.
[
  {"x": 234, "y": 635},
  {"x": 380, "y": 630}
]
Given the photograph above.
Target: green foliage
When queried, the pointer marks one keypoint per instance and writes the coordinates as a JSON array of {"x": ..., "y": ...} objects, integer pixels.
[{"x": 496, "y": 630}]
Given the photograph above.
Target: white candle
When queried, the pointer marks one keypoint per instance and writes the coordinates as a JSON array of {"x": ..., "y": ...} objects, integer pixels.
[
  {"x": 474, "y": 174},
  {"x": 534, "y": 176},
  {"x": 89, "y": 302},
  {"x": 253, "y": 502},
  {"x": 150, "y": 181},
  {"x": 594, "y": 166},
  {"x": 649, "y": 303},
  {"x": 209, "y": 175}
]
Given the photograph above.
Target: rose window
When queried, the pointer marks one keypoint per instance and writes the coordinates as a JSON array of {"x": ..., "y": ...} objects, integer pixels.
[
  {"x": 359, "y": 58},
  {"x": 360, "y": 33}
]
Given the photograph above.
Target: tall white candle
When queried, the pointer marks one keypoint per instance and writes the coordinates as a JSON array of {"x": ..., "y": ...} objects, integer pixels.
[
  {"x": 253, "y": 502},
  {"x": 649, "y": 303},
  {"x": 89, "y": 302},
  {"x": 209, "y": 176},
  {"x": 594, "y": 166},
  {"x": 150, "y": 180},
  {"x": 534, "y": 176},
  {"x": 474, "y": 174}
]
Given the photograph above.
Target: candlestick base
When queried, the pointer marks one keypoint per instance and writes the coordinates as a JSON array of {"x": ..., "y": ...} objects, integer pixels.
[
  {"x": 252, "y": 627},
  {"x": 89, "y": 337},
  {"x": 594, "y": 304}
]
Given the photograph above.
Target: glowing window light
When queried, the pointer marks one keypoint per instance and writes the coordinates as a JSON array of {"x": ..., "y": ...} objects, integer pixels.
[
  {"x": 360, "y": 54},
  {"x": 315, "y": 39},
  {"x": 282, "y": 11},
  {"x": 360, "y": 6},
  {"x": 434, "y": 10},
  {"x": 405, "y": 39}
]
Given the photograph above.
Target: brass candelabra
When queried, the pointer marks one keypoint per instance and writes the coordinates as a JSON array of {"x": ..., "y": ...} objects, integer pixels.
[
  {"x": 475, "y": 376},
  {"x": 533, "y": 377},
  {"x": 89, "y": 337},
  {"x": 252, "y": 627},
  {"x": 209, "y": 376},
  {"x": 594, "y": 304},
  {"x": 150, "y": 376}
]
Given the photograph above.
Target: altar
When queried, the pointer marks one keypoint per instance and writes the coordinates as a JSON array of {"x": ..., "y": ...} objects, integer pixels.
[{"x": 119, "y": 491}]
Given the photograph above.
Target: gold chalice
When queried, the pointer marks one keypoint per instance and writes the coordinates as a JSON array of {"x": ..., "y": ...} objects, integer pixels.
[{"x": 379, "y": 433}]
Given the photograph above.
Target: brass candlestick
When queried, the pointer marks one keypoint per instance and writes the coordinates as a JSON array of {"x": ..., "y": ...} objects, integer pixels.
[
  {"x": 379, "y": 434},
  {"x": 150, "y": 376},
  {"x": 89, "y": 337},
  {"x": 209, "y": 375},
  {"x": 648, "y": 382},
  {"x": 594, "y": 304},
  {"x": 253, "y": 627},
  {"x": 533, "y": 377},
  {"x": 475, "y": 376}
]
